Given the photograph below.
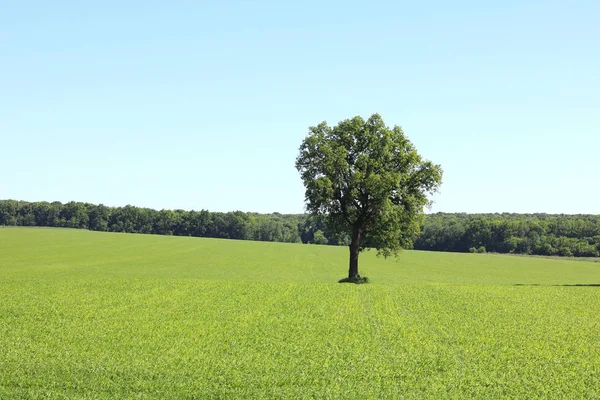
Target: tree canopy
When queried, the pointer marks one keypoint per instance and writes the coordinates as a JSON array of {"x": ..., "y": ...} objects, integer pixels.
[{"x": 368, "y": 181}]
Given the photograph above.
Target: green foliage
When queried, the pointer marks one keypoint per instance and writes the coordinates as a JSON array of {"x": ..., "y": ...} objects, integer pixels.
[
  {"x": 540, "y": 234},
  {"x": 368, "y": 181},
  {"x": 114, "y": 316},
  {"x": 314, "y": 223},
  {"x": 232, "y": 225},
  {"x": 319, "y": 238}
]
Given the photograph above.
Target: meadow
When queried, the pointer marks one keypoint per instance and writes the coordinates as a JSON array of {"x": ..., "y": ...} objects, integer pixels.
[{"x": 95, "y": 315}]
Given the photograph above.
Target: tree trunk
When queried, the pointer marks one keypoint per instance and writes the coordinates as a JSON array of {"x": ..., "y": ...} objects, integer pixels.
[{"x": 354, "y": 251}]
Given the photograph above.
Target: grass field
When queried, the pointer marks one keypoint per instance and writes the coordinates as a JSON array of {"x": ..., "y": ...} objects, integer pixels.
[{"x": 99, "y": 315}]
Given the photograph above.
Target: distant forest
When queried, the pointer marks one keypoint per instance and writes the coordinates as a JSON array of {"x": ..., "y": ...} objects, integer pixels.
[{"x": 537, "y": 234}]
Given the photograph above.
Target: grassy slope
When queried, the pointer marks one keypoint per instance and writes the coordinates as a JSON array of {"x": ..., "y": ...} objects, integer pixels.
[{"x": 94, "y": 315}]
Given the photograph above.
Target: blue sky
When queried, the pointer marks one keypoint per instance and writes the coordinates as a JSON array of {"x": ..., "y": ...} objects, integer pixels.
[{"x": 203, "y": 105}]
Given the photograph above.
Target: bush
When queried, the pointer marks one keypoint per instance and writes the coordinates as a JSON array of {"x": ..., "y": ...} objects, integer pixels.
[
  {"x": 565, "y": 252},
  {"x": 320, "y": 238}
]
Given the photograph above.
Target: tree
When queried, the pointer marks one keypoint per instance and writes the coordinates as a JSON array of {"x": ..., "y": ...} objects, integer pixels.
[
  {"x": 8, "y": 212},
  {"x": 75, "y": 215},
  {"x": 320, "y": 238},
  {"x": 98, "y": 217},
  {"x": 165, "y": 222},
  {"x": 368, "y": 181}
]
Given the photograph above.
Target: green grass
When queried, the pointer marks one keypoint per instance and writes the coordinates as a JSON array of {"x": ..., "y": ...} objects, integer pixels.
[{"x": 98, "y": 315}]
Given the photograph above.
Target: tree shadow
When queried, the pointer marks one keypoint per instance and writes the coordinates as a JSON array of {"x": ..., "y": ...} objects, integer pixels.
[{"x": 573, "y": 284}]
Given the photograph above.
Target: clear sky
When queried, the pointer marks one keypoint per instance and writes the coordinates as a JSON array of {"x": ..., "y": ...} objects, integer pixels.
[{"x": 203, "y": 105}]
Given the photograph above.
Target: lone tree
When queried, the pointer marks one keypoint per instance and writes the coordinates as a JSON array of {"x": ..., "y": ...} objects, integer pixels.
[{"x": 369, "y": 182}]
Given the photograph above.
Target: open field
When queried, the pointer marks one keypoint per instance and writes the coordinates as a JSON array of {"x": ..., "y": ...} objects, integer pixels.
[{"x": 99, "y": 315}]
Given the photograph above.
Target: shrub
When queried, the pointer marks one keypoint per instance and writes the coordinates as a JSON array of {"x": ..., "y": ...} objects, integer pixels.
[{"x": 320, "y": 238}]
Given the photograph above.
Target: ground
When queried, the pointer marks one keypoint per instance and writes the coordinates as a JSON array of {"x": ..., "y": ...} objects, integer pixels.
[{"x": 99, "y": 315}]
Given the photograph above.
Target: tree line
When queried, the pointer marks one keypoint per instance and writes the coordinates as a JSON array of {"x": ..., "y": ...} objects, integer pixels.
[
  {"x": 131, "y": 219},
  {"x": 536, "y": 234}
]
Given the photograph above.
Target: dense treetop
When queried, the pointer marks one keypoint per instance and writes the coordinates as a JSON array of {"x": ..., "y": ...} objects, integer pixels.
[{"x": 368, "y": 181}]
